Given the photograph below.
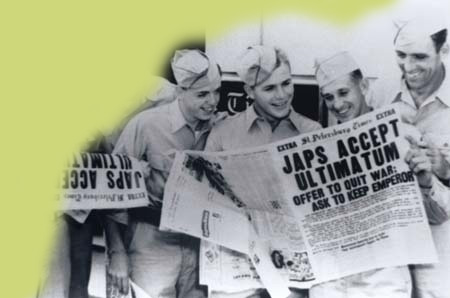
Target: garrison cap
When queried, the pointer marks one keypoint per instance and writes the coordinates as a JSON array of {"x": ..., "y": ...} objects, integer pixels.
[
  {"x": 258, "y": 62},
  {"x": 333, "y": 67},
  {"x": 193, "y": 69}
]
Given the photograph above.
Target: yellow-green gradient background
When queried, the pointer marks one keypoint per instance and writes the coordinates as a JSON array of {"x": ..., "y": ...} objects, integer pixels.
[{"x": 71, "y": 68}]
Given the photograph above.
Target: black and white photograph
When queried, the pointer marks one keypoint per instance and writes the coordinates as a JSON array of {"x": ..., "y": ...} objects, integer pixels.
[{"x": 320, "y": 150}]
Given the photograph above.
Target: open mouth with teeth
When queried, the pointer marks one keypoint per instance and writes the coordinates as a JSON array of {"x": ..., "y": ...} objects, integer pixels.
[
  {"x": 207, "y": 110},
  {"x": 344, "y": 112},
  {"x": 279, "y": 105},
  {"x": 413, "y": 75}
]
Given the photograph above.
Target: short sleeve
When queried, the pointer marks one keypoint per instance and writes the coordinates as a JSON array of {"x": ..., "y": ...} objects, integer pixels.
[
  {"x": 132, "y": 141},
  {"x": 437, "y": 202}
]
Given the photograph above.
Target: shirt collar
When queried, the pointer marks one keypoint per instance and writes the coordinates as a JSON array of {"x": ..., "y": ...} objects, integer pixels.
[
  {"x": 442, "y": 93},
  {"x": 176, "y": 117},
  {"x": 251, "y": 117},
  {"x": 296, "y": 120}
]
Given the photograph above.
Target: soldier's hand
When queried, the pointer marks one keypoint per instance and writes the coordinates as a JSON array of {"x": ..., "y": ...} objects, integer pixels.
[
  {"x": 118, "y": 272},
  {"x": 145, "y": 167},
  {"x": 420, "y": 164},
  {"x": 156, "y": 182},
  {"x": 439, "y": 163}
]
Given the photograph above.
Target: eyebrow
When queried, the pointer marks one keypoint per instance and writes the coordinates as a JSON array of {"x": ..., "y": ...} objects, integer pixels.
[{"x": 412, "y": 54}]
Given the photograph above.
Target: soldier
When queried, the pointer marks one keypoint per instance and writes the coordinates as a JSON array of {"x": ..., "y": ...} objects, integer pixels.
[
  {"x": 343, "y": 88},
  {"x": 165, "y": 264},
  {"x": 423, "y": 98},
  {"x": 266, "y": 72}
]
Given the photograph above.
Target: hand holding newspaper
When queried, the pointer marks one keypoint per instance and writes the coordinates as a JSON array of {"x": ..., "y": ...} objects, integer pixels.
[
  {"x": 134, "y": 292},
  {"x": 338, "y": 201}
]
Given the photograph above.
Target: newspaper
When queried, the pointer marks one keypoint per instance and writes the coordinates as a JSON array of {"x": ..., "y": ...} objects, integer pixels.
[
  {"x": 341, "y": 200},
  {"x": 223, "y": 207},
  {"x": 103, "y": 181},
  {"x": 358, "y": 203}
]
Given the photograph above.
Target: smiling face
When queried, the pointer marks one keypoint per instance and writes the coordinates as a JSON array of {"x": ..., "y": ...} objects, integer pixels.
[
  {"x": 419, "y": 62},
  {"x": 345, "y": 97},
  {"x": 273, "y": 97},
  {"x": 199, "y": 104}
]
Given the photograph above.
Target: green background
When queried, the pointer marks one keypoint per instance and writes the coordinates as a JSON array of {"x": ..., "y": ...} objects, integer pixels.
[{"x": 71, "y": 68}]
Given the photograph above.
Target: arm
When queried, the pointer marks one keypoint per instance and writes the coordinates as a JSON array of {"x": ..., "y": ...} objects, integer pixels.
[
  {"x": 118, "y": 270},
  {"x": 439, "y": 163},
  {"x": 436, "y": 197},
  {"x": 130, "y": 142},
  {"x": 437, "y": 202}
]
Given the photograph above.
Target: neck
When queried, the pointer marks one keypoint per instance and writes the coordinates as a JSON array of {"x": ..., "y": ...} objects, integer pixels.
[
  {"x": 365, "y": 109},
  {"x": 421, "y": 94}
]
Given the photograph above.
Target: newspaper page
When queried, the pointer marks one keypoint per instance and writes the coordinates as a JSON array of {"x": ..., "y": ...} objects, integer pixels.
[
  {"x": 345, "y": 190},
  {"x": 134, "y": 291},
  {"x": 358, "y": 204},
  {"x": 227, "y": 189},
  {"x": 216, "y": 259},
  {"x": 103, "y": 181}
]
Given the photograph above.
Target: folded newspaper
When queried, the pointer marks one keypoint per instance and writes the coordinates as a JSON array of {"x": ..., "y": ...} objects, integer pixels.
[
  {"x": 102, "y": 181},
  {"x": 319, "y": 206}
]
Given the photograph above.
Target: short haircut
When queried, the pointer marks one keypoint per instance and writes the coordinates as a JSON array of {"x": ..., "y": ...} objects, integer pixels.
[
  {"x": 439, "y": 38},
  {"x": 281, "y": 58},
  {"x": 357, "y": 75}
]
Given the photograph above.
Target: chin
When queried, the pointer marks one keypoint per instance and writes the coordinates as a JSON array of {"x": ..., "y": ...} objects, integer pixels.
[
  {"x": 415, "y": 85},
  {"x": 279, "y": 114},
  {"x": 205, "y": 117},
  {"x": 343, "y": 119}
]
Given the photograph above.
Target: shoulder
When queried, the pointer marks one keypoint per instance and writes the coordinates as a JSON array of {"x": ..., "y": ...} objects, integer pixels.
[
  {"x": 228, "y": 123},
  {"x": 225, "y": 132},
  {"x": 383, "y": 91},
  {"x": 151, "y": 117}
]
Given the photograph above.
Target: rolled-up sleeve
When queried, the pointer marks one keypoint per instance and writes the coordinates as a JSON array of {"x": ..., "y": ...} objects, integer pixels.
[{"x": 437, "y": 202}]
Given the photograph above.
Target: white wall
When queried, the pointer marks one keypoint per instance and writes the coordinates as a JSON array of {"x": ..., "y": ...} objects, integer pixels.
[
  {"x": 370, "y": 40},
  {"x": 227, "y": 49}
]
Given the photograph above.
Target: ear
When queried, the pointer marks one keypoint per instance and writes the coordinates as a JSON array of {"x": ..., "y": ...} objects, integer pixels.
[
  {"x": 320, "y": 92},
  {"x": 444, "y": 50},
  {"x": 249, "y": 91},
  {"x": 364, "y": 85},
  {"x": 179, "y": 91}
]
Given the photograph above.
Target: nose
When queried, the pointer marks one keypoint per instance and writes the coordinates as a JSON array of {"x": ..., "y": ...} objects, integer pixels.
[
  {"x": 338, "y": 103},
  {"x": 409, "y": 64},
  {"x": 212, "y": 98},
  {"x": 280, "y": 93}
]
